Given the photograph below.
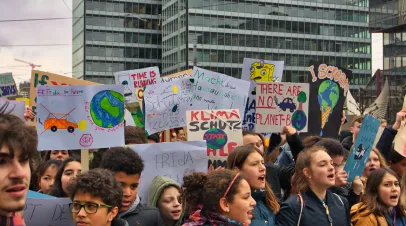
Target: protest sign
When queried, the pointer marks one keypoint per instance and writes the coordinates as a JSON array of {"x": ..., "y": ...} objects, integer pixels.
[
  {"x": 281, "y": 104},
  {"x": 166, "y": 105},
  {"x": 328, "y": 89},
  {"x": 49, "y": 212},
  {"x": 49, "y": 79},
  {"x": 400, "y": 139},
  {"x": 26, "y": 100},
  {"x": 362, "y": 147},
  {"x": 134, "y": 81},
  {"x": 212, "y": 90},
  {"x": 16, "y": 108},
  {"x": 255, "y": 70},
  {"x": 221, "y": 129},
  {"x": 177, "y": 76},
  {"x": 129, "y": 120},
  {"x": 172, "y": 160},
  {"x": 378, "y": 136},
  {"x": 37, "y": 195},
  {"x": 80, "y": 117},
  {"x": 8, "y": 86}
]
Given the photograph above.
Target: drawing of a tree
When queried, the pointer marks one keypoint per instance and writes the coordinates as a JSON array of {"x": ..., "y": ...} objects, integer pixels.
[{"x": 301, "y": 98}]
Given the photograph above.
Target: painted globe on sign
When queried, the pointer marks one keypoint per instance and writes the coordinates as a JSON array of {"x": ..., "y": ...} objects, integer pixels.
[
  {"x": 215, "y": 138},
  {"x": 299, "y": 120},
  {"x": 107, "y": 108},
  {"x": 328, "y": 94}
]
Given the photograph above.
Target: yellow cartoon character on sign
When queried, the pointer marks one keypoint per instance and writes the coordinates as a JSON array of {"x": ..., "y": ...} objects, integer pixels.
[{"x": 261, "y": 72}]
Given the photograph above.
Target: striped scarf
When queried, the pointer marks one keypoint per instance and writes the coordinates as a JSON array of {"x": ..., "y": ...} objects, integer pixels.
[{"x": 14, "y": 220}]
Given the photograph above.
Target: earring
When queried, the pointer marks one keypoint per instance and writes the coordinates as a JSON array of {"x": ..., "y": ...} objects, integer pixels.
[{"x": 227, "y": 210}]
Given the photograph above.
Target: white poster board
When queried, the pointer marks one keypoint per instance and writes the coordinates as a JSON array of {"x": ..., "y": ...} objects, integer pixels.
[
  {"x": 49, "y": 212},
  {"x": 80, "y": 117},
  {"x": 256, "y": 70},
  {"x": 171, "y": 160}
]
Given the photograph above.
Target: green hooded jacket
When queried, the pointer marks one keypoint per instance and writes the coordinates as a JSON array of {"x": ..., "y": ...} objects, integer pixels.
[{"x": 158, "y": 185}]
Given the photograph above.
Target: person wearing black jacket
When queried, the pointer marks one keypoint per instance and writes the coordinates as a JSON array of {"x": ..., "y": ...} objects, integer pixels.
[
  {"x": 311, "y": 203},
  {"x": 279, "y": 176},
  {"x": 396, "y": 161}
]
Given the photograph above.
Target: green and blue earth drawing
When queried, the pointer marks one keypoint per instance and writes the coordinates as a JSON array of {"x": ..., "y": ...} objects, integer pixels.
[
  {"x": 299, "y": 120},
  {"x": 215, "y": 138},
  {"x": 107, "y": 108},
  {"x": 328, "y": 94}
]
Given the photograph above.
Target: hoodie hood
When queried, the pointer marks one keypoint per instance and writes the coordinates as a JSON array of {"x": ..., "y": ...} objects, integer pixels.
[{"x": 159, "y": 183}]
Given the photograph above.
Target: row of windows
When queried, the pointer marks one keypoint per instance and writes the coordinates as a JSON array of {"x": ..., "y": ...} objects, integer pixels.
[
  {"x": 211, "y": 38},
  {"x": 143, "y": 53},
  {"x": 102, "y": 66},
  {"x": 223, "y": 56},
  {"x": 283, "y": 10},
  {"x": 128, "y": 37},
  {"x": 279, "y": 26},
  {"x": 123, "y": 22},
  {"x": 127, "y": 7},
  {"x": 219, "y": 3}
]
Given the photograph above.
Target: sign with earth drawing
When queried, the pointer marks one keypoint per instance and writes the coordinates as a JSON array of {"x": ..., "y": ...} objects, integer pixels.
[
  {"x": 328, "y": 89},
  {"x": 222, "y": 130},
  {"x": 281, "y": 104},
  {"x": 80, "y": 117},
  {"x": 256, "y": 70}
]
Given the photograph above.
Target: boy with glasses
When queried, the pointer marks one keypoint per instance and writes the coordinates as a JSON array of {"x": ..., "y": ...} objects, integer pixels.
[{"x": 96, "y": 198}]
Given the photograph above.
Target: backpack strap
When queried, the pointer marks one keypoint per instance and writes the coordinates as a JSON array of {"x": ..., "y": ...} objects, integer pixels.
[{"x": 301, "y": 208}]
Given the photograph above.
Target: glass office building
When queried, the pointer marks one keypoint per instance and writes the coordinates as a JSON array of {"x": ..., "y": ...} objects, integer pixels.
[
  {"x": 117, "y": 35},
  {"x": 218, "y": 34},
  {"x": 389, "y": 18}
]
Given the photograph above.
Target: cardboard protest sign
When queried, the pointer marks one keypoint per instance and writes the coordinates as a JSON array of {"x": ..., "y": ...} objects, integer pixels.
[
  {"x": 400, "y": 139},
  {"x": 378, "y": 136},
  {"x": 362, "y": 147},
  {"x": 134, "y": 81},
  {"x": 213, "y": 91},
  {"x": 49, "y": 212},
  {"x": 80, "y": 117},
  {"x": 172, "y": 160},
  {"x": 222, "y": 129},
  {"x": 37, "y": 195},
  {"x": 166, "y": 104},
  {"x": 16, "y": 108},
  {"x": 255, "y": 70},
  {"x": 49, "y": 79},
  {"x": 281, "y": 104},
  {"x": 328, "y": 89},
  {"x": 8, "y": 86},
  {"x": 26, "y": 100},
  {"x": 177, "y": 76}
]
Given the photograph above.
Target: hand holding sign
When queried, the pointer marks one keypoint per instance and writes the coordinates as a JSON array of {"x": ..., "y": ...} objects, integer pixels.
[{"x": 362, "y": 148}]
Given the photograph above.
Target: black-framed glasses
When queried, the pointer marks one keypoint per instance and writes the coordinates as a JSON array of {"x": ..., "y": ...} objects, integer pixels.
[{"x": 89, "y": 207}]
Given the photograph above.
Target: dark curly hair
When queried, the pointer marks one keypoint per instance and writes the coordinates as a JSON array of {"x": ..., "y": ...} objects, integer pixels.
[
  {"x": 135, "y": 135},
  {"x": 18, "y": 136},
  {"x": 99, "y": 183},
  {"x": 208, "y": 189},
  {"x": 122, "y": 159},
  {"x": 57, "y": 190}
]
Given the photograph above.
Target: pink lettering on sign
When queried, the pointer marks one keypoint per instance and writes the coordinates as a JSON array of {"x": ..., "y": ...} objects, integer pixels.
[{"x": 86, "y": 140}]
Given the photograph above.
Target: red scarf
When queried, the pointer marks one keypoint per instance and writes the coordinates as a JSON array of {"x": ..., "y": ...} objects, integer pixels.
[{"x": 14, "y": 220}]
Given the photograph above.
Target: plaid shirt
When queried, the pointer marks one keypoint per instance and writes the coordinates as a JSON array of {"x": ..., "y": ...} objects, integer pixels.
[{"x": 14, "y": 220}]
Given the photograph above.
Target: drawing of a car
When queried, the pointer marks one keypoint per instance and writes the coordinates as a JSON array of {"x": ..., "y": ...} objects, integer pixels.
[
  {"x": 52, "y": 123},
  {"x": 287, "y": 103}
]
